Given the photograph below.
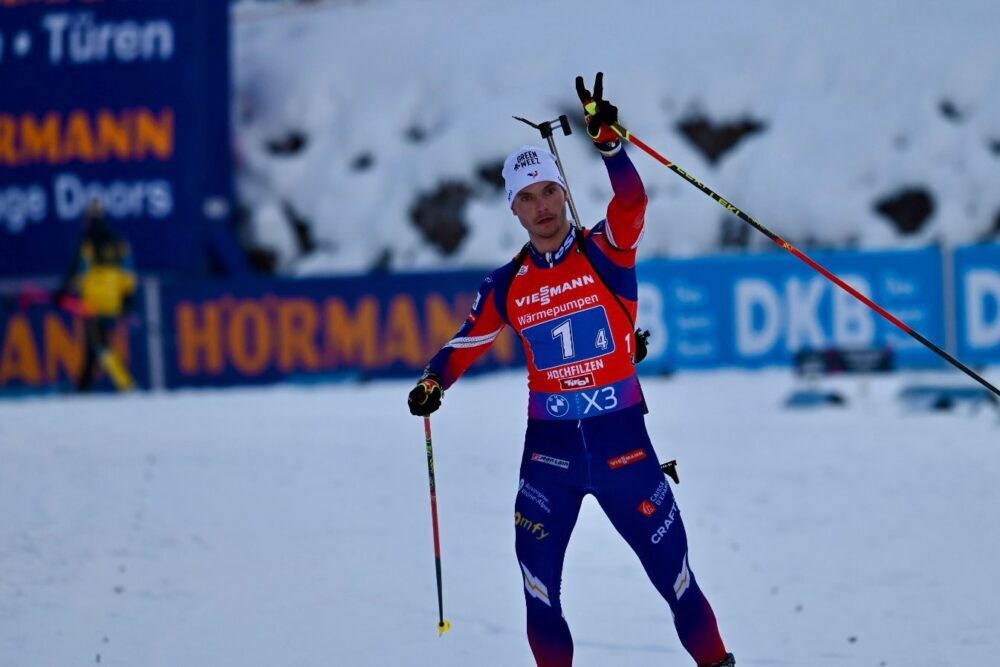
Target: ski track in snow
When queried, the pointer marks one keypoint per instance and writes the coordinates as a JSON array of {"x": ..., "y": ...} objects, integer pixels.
[{"x": 290, "y": 525}]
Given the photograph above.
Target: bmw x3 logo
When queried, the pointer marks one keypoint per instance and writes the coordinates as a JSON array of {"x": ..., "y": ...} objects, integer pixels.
[{"x": 557, "y": 405}]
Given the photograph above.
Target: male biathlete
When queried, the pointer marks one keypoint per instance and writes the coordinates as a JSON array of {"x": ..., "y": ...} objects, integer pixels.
[{"x": 571, "y": 296}]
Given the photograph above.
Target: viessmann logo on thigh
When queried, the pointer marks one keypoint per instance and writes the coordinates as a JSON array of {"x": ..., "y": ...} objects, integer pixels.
[{"x": 626, "y": 459}]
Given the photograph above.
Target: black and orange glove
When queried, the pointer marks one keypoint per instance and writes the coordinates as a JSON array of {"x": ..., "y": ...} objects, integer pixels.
[
  {"x": 426, "y": 397},
  {"x": 599, "y": 116}
]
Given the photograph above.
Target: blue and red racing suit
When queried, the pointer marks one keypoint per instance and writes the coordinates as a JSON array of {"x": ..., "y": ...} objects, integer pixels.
[{"x": 586, "y": 431}]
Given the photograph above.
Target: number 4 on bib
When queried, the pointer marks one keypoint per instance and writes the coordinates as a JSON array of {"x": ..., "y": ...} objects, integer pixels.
[{"x": 601, "y": 342}]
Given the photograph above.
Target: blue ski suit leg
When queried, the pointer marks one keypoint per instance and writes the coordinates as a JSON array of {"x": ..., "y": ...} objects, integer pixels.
[{"x": 611, "y": 457}]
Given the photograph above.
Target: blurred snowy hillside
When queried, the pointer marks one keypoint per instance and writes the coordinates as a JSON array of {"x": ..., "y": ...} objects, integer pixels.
[{"x": 370, "y": 134}]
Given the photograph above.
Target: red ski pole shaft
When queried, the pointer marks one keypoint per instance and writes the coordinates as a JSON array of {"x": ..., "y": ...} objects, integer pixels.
[
  {"x": 729, "y": 206},
  {"x": 443, "y": 624}
]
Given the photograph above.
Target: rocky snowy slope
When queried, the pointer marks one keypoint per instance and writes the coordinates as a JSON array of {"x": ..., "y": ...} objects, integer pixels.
[{"x": 370, "y": 134}]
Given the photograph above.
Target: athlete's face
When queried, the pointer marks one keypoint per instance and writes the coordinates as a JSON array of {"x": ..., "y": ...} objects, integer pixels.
[{"x": 541, "y": 208}]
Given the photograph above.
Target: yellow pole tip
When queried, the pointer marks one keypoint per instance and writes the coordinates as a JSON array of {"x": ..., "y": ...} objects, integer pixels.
[{"x": 443, "y": 627}]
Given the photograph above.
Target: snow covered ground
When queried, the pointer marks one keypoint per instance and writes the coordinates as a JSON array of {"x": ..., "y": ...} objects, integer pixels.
[
  {"x": 386, "y": 100},
  {"x": 291, "y": 526}
]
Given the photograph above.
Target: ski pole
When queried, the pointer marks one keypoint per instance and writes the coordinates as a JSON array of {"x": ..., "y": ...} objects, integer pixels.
[
  {"x": 444, "y": 625},
  {"x": 628, "y": 136}
]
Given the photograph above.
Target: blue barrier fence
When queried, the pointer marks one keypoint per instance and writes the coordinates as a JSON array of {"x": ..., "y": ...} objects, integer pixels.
[
  {"x": 255, "y": 331},
  {"x": 739, "y": 311},
  {"x": 977, "y": 286},
  {"x": 759, "y": 311}
]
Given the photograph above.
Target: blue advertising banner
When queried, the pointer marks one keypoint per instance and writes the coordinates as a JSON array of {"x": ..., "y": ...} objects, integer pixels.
[
  {"x": 753, "y": 311},
  {"x": 740, "y": 311},
  {"x": 257, "y": 331},
  {"x": 122, "y": 101},
  {"x": 977, "y": 287},
  {"x": 43, "y": 349}
]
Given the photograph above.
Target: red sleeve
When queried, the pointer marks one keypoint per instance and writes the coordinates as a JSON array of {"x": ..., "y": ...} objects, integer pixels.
[
  {"x": 627, "y": 210},
  {"x": 476, "y": 336}
]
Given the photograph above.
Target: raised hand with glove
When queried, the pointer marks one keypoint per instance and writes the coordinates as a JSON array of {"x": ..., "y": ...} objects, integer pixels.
[
  {"x": 426, "y": 397},
  {"x": 600, "y": 115}
]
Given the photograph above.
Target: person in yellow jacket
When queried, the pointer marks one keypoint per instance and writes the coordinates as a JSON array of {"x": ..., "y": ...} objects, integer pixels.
[{"x": 104, "y": 278}]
